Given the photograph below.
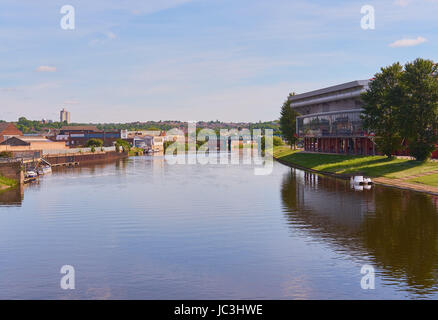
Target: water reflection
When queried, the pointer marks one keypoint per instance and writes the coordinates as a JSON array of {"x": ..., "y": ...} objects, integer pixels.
[
  {"x": 396, "y": 230},
  {"x": 12, "y": 197}
]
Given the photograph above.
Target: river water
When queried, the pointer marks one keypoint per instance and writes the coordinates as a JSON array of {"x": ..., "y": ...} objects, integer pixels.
[{"x": 141, "y": 228}]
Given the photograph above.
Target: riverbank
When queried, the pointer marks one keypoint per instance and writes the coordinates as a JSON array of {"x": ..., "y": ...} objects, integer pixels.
[
  {"x": 400, "y": 173},
  {"x": 6, "y": 183}
]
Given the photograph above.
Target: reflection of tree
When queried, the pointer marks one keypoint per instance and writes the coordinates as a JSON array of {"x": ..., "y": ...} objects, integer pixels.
[
  {"x": 403, "y": 236},
  {"x": 397, "y": 229},
  {"x": 11, "y": 197}
]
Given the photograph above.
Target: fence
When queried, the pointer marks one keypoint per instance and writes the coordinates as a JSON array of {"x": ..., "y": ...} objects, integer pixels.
[{"x": 77, "y": 150}]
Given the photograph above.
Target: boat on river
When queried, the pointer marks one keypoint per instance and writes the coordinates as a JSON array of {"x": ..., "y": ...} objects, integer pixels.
[{"x": 361, "y": 181}]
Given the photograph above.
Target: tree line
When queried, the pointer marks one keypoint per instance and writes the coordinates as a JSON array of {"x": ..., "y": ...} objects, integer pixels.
[{"x": 401, "y": 108}]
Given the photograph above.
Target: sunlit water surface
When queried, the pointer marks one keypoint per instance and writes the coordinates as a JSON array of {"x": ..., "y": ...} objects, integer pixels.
[{"x": 143, "y": 229}]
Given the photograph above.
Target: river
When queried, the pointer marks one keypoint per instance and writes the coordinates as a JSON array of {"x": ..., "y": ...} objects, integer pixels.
[{"x": 140, "y": 228}]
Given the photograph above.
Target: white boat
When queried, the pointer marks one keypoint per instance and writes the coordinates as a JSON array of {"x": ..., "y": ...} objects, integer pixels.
[
  {"x": 44, "y": 170},
  {"x": 357, "y": 180},
  {"x": 31, "y": 174},
  {"x": 360, "y": 180}
]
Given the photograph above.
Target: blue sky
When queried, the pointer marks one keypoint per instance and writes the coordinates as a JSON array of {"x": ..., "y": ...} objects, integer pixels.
[{"x": 195, "y": 60}]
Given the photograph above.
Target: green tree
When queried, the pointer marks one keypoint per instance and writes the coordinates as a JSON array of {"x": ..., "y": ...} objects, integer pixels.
[
  {"x": 419, "y": 108},
  {"x": 124, "y": 144},
  {"x": 288, "y": 121},
  {"x": 94, "y": 143},
  {"x": 381, "y": 108}
]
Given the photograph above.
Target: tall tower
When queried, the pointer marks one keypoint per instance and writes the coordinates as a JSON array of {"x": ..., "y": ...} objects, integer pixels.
[{"x": 64, "y": 116}]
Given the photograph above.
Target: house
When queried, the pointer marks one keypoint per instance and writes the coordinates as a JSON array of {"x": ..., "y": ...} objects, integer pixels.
[{"x": 8, "y": 130}]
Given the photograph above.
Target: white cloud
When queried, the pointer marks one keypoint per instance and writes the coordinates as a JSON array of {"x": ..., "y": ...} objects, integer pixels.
[
  {"x": 408, "y": 42},
  {"x": 45, "y": 69}
]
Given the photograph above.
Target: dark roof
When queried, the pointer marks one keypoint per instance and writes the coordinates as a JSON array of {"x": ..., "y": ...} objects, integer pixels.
[
  {"x": 344, "y": 86},
  {"x": 14, "y": 141}
]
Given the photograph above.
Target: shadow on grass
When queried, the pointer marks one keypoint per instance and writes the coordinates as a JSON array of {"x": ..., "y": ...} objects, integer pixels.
[{"x": 351, "y": 164}]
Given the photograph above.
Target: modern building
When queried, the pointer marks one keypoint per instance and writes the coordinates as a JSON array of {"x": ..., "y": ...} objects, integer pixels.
[
  {"x": 330, "y": 120},
  {"x": 64, "y": 115},
  {"x": 8, "y": 130}
]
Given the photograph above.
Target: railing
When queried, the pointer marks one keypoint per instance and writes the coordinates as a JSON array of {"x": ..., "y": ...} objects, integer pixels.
[{"x": 77, "y": 150}]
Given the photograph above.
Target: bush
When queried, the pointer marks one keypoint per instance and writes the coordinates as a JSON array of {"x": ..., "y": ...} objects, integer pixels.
[
  {"x": 93, "y": 149},
  {"x": 6, "y": 154},
  {"x": 94, "y": 143},
  {"x": 278, "y": 141}
]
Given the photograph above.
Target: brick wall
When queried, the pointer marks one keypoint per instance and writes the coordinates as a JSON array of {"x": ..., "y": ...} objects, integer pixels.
[{"x": 12, "y": 170}]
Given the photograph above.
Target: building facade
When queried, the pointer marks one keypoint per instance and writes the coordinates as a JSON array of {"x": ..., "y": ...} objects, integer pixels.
[
  {"x": 77, "y": 136},
  {"x": 64, "y": 115},
  {"x": 330, "y": 121}
]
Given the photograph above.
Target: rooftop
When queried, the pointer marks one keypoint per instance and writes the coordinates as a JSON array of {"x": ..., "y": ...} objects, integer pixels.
[{"x": 339, "y": 87}]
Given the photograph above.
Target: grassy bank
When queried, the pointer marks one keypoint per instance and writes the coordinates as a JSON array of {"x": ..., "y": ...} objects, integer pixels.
[
  {"x": 415, "y": 172},
  {"x": 6, "y": 183}
]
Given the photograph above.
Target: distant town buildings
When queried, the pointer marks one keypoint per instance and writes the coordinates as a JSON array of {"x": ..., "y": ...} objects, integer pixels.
[
  {"x": 64, "y": 115},
  {"x": 76, "y": 136}
]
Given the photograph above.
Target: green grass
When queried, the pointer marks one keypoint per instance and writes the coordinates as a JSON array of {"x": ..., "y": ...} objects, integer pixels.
[
  {"x": 372, "y": 166},
  {"x": 8, "y": 182},
  {"x": 430, "y": 180}
]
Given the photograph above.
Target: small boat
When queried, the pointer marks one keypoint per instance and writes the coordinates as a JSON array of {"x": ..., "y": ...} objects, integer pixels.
[
  {"x": 44, "y": 170},
  {"x": 360, "y": 180},
  {"x": 31, "y": 174}
]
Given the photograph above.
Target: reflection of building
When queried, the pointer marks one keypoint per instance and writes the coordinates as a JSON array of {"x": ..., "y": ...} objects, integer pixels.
[
  {"x": 396, "y": 230},
  {"x": 8, "y": 130},
  {"x": 330, "y": 119},
  {"x": 64, "y": 115}
]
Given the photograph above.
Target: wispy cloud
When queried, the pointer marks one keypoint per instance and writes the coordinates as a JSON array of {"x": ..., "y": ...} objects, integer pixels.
[
  {"x": 103, "y": 38},
  {"x": 406, "y": 42},
  {"x": 45, "y": 69}
]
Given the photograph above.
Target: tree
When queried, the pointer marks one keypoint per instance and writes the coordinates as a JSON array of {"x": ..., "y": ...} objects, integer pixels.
[
  {"x": 124, "y": 144},
  {"x": 94, "y": 143},
  {"x": 288, "y": 121},
  {"x": 381, "y": 108},
  {"x": 419, "y": 108}
]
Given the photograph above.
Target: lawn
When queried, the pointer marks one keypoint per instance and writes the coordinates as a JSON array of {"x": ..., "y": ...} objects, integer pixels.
[
  {"x": 372, "y": 166},
  {"x": 430, "y": 180},
  {"x": 7, "y": 182}
]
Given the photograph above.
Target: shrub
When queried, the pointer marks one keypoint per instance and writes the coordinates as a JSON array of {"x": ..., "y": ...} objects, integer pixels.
[
  {"x": 94, "y": 143},
  {"x": 277, "y": 141},
  {"x": 6, "y": 154}
]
